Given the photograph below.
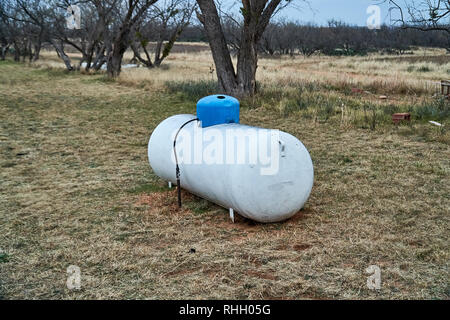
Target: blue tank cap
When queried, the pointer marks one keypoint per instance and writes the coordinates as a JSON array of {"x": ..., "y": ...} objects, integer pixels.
[{"x": 218, "y": 109}]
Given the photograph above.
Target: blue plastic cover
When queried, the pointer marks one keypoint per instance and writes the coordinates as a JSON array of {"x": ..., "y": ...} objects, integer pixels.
[{"x": 217, "y": 109}]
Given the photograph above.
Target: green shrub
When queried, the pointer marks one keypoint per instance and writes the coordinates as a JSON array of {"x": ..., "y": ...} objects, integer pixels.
[
  {"x": 424, "y": 69},
  {"x": 194, "y": 90},
  {"x": 437, "y": 109}
]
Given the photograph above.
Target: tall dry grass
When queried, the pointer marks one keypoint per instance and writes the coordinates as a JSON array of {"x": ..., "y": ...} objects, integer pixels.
[{"x": 377, "y": 73}]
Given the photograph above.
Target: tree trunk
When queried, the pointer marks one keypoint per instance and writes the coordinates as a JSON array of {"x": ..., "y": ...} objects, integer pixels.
[
  {"x": 16, "y": 52},
  {"x": 169, "y": 45},
  {"x": 38, "y": 46},
  {"x": 100, "y": 57},
  {"x": 88, "y": 56},
  {"x": 3, "y": 52},
  {"x": 26, "y": 50},
  {"x": 137, "y": 56},
  {"x": 120, "y": 45},
  {"x": 37, "y": 51},
  {"x": 247, "y": 61},
  {"x": 30, "y": 51},
  {"x": 256, "y": 16},
  {"x": 65, "y": 58},
  {"x": 114, "y": 64},
  {"x": 219, "y": 49},
  {"x": 158, "y": 47}
]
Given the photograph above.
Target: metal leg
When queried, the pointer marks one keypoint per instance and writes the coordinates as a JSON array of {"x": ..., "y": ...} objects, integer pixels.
[
  {"x": 232, "y": 214},
  {"x": 170, "y": 185}
]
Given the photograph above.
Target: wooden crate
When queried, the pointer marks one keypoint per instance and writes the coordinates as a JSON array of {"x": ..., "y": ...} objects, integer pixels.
[{"x": 397, "y": 117}]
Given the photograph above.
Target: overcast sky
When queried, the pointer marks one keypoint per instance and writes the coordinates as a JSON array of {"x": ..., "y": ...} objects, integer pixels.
[
  {"x": 321, "y": 11},
  {"x": 350, "y": 11}
]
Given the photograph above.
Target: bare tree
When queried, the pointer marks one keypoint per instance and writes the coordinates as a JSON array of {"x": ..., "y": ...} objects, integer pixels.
[
  {"x": 425, "y": 15},
  {"x": 108, "y": 28},
  {"x": 6, "y": 32},
  {"x": 256, "y": 15},
  {"x": 268, "y": 39},
  {"x": 91, "y": 38},
  {"x": 21, "y": 29},
  {"x": 129, "y": 13},
  {"x": 32, "y": 23},
  {"x": 164, "y": 24}
]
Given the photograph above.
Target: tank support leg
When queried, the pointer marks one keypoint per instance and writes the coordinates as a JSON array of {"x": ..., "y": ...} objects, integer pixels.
[
  {"x": 232, "y": 214},
  {"x": 170, "y": 185}
]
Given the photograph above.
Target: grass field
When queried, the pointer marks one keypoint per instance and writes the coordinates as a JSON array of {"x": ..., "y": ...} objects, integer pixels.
[{"x": 76, "y": 187}]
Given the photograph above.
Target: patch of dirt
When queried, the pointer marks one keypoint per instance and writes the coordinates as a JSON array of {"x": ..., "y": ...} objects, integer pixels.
[
  {"x": 240, "y": 223},
  {"x": 179, "y": 272},
  {"x": 281, "y": 247},
  {"x": 261, "y": 275},
  {"x": 301, "y": 247},
  {"x": 212, "y": 273},
  {"x": 163, "y": 200},
  {"x": 300, "y": 216},
  {"x": 252, "y": 259}
]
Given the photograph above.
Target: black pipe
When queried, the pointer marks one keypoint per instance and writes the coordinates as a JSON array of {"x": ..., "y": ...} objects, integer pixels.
[{"x": 177, "y": 168}]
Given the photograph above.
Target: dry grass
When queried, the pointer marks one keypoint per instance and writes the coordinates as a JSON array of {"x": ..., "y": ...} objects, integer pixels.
[
  {"x": 415, "y": 75},
  {"x": 388, "y": 77},
  {"x": 76, "y": 188}
]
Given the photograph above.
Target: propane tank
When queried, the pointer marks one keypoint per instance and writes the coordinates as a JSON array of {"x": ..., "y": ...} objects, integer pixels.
[{"x": 262, "y": 174}]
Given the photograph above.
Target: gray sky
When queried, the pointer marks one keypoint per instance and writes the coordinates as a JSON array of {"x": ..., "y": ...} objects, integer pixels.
[
  {"x": 350, "y": 11},
  {"x": 321, "y": 11}
]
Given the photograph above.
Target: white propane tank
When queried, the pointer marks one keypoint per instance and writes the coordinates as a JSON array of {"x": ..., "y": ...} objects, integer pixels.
[{"x": 245, "y": 188}]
